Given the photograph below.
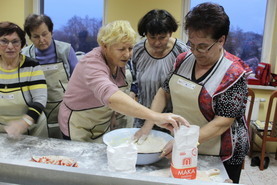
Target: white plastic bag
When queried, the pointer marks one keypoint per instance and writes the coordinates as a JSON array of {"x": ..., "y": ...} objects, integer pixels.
[
  {"x": 122, "y": 158},
  {"x": 185, "y": 152}
]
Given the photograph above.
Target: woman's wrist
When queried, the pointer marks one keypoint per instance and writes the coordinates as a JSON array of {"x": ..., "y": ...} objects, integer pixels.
[
  {"x": 28, "y": 121},
  {"x": 148, "y": 124}
]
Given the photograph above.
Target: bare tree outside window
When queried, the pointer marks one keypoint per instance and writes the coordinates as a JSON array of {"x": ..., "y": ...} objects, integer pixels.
[
  {"x": 76, "y": 22},
  {"x": 246, "y": 32}
]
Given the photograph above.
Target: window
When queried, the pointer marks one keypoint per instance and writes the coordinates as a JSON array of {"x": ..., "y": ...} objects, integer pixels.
[
  {"x": 245, "y": 38},
  {"x": 75, "y": 22}
]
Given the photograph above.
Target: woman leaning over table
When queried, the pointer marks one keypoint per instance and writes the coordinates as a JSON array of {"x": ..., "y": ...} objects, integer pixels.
[
  {"x": 93, "y": 92},
  {"x": 208, "y": 88},
  {"x": 154, "y": 57},
  {"x": 23, "y": 91}
]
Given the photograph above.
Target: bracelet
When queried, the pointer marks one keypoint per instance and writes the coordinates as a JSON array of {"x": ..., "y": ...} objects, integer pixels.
[{"x": 29, "y": 122}]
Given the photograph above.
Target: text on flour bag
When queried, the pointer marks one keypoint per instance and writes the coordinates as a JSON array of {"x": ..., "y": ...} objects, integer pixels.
[{"x": 185, "y": 152}]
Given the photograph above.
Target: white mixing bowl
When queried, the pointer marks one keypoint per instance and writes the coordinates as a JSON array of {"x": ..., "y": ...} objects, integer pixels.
[{"x": 119, "y": 136}]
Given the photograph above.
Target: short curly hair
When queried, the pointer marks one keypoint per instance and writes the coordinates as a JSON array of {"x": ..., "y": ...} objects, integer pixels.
[
  {"x": 209, "y": 18},
  {"x": 157, "y": 21},
  {"x": 116, "y": 32},
  {"x": 33, "y": 21}
]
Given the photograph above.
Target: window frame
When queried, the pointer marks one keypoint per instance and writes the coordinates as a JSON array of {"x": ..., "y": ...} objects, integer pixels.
[
  {"x": 269, "y": 44},
  {"x": 38, "y": 8}
]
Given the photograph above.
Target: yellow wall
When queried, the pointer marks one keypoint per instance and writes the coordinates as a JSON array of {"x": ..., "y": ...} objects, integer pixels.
[
  {"x": 12, "y": 11},
  {"x": 263, "y": 105},
  {"x": 133, "y": 10},
  {"x": 15, "y": 10}
]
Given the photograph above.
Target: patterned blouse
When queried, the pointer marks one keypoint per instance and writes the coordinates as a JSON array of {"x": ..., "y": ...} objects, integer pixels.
[
  {"x": 230, "y": 103},
  {"x": 150, "y": 73}
]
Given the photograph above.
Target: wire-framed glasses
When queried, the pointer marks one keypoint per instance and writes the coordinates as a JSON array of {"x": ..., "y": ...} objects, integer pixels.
[
  {"x": 5, "y": 42},
  {"x": 201, "y": 48}
]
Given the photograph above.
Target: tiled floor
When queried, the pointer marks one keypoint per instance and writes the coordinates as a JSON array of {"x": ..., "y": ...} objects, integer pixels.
[{"x": 253, "y": 176}]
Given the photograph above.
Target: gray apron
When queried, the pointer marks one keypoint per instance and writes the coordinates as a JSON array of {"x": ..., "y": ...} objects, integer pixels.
[
  {"x": 124, "y": 121},
  {"x": 56, "y": 80},
  {"x": 91, "y": 124},
  {"x": 13, "y": 107}
]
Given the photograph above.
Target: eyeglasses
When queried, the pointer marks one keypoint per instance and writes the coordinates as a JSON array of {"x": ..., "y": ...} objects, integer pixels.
[
  {"x": 5, "y": 43},
  {"x": 201, "y": 48}
]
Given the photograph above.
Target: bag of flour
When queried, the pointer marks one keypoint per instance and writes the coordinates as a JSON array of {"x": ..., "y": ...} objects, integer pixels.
[
  {"x": 122, "y": 158},
  {"x": 185, "y": 152}
]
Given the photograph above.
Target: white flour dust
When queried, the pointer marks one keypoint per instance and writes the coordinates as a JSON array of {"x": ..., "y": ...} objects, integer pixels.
[{"x": 151, "y": 145}]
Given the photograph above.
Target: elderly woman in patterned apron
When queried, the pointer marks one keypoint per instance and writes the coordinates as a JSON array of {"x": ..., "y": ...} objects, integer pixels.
[
  {"x": 23, "y": 91},
  {"x": 208, "y": 88},
  {"x": 57, "y": 59},
  {"x": 93, "y": 92}
]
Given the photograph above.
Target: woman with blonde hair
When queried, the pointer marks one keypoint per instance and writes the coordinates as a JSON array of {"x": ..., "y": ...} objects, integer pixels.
[{"x": 93, "y": 92}]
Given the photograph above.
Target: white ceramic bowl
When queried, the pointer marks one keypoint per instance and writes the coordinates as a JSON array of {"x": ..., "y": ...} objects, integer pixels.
[{"x": 118, "y": 136}]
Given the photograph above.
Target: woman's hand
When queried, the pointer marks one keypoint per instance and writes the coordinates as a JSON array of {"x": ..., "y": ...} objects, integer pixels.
[
  {"x": 143, "y": 132},
  {"x": 167, "y": 150},
  {"x": 16, "y": 128},
  {"x": 170, "y": 121}
]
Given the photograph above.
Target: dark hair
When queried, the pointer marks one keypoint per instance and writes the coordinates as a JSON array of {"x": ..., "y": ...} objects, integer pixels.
[
  {"x": 209, "y": 18},
  {"x": 8, "y": 28},
  {"x": 33, "y": 21},
  {"x": 156, "y": 22}
]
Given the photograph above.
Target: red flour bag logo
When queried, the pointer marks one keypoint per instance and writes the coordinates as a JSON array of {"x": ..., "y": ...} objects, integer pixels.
[{"x": 185, "y": 153}]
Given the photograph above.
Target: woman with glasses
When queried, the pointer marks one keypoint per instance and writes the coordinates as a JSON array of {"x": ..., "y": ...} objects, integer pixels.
[
  {"x": 57, "y": 59},
  {"x": 153, "y": 58},
  {"x": 208, "y": 88},
  {"x": 23, "y": 91}
]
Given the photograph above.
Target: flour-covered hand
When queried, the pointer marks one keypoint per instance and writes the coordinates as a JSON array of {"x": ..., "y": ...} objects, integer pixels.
[
  {"x": 16, "y": 128},
  {"x": 171, "y": 121}
]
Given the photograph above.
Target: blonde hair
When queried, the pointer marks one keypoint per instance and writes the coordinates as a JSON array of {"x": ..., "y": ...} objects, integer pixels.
[{"x": 116, "y": 32}]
